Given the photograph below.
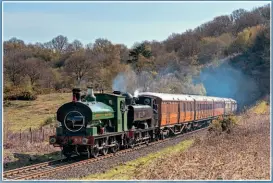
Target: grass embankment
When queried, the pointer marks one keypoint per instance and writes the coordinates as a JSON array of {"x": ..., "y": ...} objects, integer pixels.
[
  {"x": 130, "y": 169},
  {"x": 25, "y": 114}
]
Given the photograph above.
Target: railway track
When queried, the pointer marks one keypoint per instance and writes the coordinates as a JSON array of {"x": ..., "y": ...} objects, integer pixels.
[{"x": 46, "y": 168}]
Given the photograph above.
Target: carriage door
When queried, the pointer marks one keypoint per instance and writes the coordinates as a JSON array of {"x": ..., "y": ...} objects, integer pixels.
[
  {"x": 192, "y": 110},
  {"x": 155, "y": 112},
  {"x": 168, "y": 112}
]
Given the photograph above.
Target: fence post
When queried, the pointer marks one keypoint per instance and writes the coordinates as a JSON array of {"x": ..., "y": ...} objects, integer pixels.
[
  {"x": 43, "y": 134},
  {"x": 30, "y": 134}
]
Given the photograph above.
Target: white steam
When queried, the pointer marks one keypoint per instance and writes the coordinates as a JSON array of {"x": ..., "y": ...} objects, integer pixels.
[
  {"x": 120, "y": 83},
  {"x": 136, "y": 92}
]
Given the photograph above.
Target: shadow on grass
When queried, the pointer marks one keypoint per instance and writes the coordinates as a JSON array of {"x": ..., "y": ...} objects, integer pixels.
[{"x": 22, "y": 160}]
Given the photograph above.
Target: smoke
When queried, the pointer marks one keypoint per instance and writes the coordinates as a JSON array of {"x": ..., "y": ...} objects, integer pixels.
[
  {"x": 166, "y": 80},
  {"x": 227, "y": 81},
  {"x": 120, "y": 83},
  {"x": 220, "y": 80}
]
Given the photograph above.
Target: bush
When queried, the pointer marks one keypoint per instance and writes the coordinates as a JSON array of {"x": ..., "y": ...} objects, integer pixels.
[
  {"x": 64, "y": 90},
  {"x": 49, "y": 120},
  {"x": 40, "y": 91},
  {"x": 19, "y": 94},
  {"x": 223, "y": 125}
]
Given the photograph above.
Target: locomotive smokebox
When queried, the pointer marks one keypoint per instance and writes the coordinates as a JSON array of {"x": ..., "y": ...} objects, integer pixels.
[{"x": 76, "y": 94}]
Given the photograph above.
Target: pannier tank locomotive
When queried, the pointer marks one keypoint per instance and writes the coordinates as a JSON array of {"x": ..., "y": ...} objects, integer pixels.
[{"x": 96, "y": 124}]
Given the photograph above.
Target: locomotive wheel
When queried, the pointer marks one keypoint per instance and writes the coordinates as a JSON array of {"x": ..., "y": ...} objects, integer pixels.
[
  {"x": 131, "y": 143},
  {"x": 114, "y": 148},
  {"x": 67, "y": 152},
  {"x": 94, "y": 152},
  {"x": 104, "y": 151}
]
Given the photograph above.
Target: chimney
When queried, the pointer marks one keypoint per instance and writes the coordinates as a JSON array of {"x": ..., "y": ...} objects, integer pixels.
[{"x": 76, "y": 96}]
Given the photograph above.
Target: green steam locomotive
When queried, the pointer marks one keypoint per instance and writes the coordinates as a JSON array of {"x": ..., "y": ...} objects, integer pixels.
[{"x": 96, "y": 124}]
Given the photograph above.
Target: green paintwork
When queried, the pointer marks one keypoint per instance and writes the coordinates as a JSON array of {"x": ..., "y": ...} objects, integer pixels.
[
  {"x": 92, "y": 131},
  {"x": 100, "y": 110},
  {"x": 120, "y": 119},
  {"x": 90, "y": 98}
]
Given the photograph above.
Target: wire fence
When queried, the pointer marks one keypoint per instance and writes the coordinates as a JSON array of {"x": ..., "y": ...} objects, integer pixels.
[{"x": 30, "y": 135}]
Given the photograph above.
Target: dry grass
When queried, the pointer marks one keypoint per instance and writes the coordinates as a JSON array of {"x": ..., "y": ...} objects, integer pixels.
[{"x": 25, "y": 114}]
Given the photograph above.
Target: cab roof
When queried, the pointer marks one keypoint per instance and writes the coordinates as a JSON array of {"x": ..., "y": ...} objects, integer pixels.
[{"x": 181, "y": 97}]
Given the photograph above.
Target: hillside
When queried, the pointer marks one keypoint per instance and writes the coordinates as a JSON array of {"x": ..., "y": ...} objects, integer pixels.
[{"x": 178, "y": 64}]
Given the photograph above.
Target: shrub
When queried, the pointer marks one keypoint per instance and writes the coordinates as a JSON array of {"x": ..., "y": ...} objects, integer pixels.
[
  {"x": 49, "y": 120},
  {"x": 40, "y": 91},
  {"x": 223, "y": 125},
  {"x": 20, "y": 94}
]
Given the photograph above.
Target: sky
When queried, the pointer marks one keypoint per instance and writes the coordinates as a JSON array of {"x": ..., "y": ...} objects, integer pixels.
[{"x": 125, "y": 23}]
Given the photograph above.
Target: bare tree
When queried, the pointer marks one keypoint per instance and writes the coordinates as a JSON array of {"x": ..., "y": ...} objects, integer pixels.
[
  {"x": 76, "y": 45},
  {"x": 34, "y": 69},
  {"x": 60, "y": 43},
  {"x": 14, "y": 68},
  {"x": 78, "y": 65}
]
